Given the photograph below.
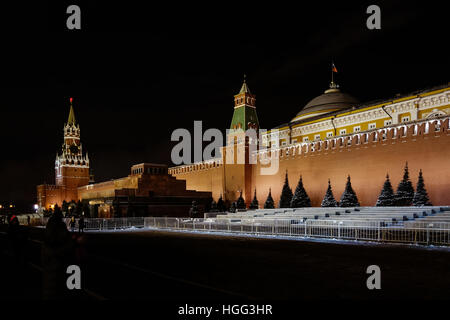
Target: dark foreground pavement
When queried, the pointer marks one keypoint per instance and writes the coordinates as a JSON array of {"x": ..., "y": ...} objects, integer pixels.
[{"x": 202, "y": 267}]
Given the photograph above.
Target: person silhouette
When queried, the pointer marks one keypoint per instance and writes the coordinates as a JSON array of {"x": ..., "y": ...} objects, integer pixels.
[
  {"x": 57, "y": 254},
  {"x": 81, "y": 224},
  {"x": 72, "y": 224}
]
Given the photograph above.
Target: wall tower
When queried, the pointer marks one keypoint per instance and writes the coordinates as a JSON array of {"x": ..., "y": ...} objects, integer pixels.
[{"x": 71, "y": 165}]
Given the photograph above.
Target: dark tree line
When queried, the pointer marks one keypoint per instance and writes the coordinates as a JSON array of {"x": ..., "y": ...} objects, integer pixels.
[{"x": 405, "y": 195}]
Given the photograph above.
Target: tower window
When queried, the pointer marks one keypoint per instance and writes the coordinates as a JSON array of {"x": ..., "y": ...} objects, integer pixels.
[
  {"x": 372, "y": 126},
  {"x": 357, "y": 129},
  {"x": 329, "y": 134},
  {"x": 405, "y": 119},
  {"x": 342, "y": 131}
]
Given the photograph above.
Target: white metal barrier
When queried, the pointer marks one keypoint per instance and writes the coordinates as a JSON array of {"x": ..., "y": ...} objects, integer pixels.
[
  {"x": 104, "y": 224},
  {"x": 333, "y": 229},
  {"x": 405, "y": 232}
]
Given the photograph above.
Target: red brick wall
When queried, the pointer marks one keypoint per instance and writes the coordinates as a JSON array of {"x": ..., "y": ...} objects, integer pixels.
[{"x": 367, "y": 164}]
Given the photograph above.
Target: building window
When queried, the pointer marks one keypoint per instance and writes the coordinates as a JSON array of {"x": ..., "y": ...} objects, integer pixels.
[
  {"x": 294, "y": 140},
  {"x": 317, "y": 137},
  {"x": 372, "y": 126},
  {"x": 342, "y": 131},
  {"x": 283, "y": 143},
  {"x": 387, "y": 123},
  {"x": 305, "y": 139},
  {"x": 329, "y": 134},
  {"x": 405, "y": 119},
  {"x": 357, "y": 129}
]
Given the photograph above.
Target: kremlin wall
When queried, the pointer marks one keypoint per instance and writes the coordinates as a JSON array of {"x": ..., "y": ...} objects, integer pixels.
[
  {"x": 334, "y": 136},
  {"x": 331, "y": 137}
]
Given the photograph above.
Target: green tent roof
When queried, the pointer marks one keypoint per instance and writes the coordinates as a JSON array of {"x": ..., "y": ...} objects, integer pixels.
[{"x": 71, "y": 119}]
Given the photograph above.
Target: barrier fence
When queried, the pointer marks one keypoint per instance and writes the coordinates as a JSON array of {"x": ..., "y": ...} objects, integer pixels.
[
  {"x": 333, "y": 229},
  {"x": 104, "y": 224},
  {"x": 413, "y": 232}
]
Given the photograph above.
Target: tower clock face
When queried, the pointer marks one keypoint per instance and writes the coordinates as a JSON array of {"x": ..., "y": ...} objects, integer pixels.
[{"x": 74, "y": 148}]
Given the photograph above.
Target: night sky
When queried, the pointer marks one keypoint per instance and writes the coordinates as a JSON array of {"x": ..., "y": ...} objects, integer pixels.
[{"x": 137, "y": 73}]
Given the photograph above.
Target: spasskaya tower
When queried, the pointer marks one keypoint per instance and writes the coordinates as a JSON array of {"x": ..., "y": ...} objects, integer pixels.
[{"x": 71, "y": 168}]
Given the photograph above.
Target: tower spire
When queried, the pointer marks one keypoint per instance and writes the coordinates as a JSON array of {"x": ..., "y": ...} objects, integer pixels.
[
  {"x": 71, "y": 119},
  {"x": 244, "y": 88}
]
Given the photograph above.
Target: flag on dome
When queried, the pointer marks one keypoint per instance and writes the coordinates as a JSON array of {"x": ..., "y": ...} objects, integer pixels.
[{"x": 333, "y": 67}]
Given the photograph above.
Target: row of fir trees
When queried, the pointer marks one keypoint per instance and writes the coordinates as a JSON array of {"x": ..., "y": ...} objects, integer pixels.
[{"x": 405, "y": 195}]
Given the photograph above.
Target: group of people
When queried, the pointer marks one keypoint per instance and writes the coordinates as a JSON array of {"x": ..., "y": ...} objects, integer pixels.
[
  {"x": 80, "y": 224},
  {"x": 60, "y": 249}
]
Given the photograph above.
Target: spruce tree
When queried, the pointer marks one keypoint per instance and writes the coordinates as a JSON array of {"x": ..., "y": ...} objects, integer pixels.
[
  {"x": 348, "y": 198},
  {"x": 269, "y": 204},
  {"x": 286, "y": 194},
  {"x": 300, "y": 198},
  {"x": 213, "y": 206},
  {"x": 240, "y": 204},
  {"x": 329, "y": 200},
  {"x": 254, "y": 205},
  {"x": 386, "y": 197},
  {"x": 405, "y": 190},
  {"x": 233, "y": 207},
  {"x": 193, "y": 211},
  {"x": 421, "y": 195},
  {"x": 220, "y": 204}
]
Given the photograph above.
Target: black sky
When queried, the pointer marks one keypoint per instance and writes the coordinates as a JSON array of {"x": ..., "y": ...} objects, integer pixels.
[{"x": 137, "y": 73}]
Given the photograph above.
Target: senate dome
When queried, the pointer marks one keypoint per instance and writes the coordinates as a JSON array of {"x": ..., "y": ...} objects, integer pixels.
[{"x": 331, "y": 100}]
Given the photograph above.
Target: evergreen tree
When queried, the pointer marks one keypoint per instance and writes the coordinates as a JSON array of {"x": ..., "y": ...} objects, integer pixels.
[
  {"x": 286, "y": 194},
  {"x": 193, "y": 211},
  {"x": 254, "y": 205},
  {"x": 405, "y": 190},
  {"x": 421, "y": 195},
  {"x": 213, "y": 206},
  {"x": 300, "y": 198},
  {"x": 233, "y": 207},
  {"x": 386, "y": 197},
  {"x": 220, "y": 204},
  {"x": 348, "y": 198},
  {"x": 269, "y": 204},
  {"x": 240, "y": 204},
  {"x": 329, "y": 200}
]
